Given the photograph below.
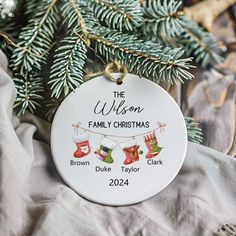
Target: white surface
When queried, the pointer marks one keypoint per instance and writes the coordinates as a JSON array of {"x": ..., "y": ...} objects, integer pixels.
[{"x": 157, "y": 106}]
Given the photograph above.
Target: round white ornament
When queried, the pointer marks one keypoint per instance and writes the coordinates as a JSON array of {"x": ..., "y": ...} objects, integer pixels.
[{"x": 118, "y": 144}]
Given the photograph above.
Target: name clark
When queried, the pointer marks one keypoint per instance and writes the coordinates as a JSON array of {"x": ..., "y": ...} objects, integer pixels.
[
  {"x": 119, "y": 108},
  {"x": 155, "y": 162}
]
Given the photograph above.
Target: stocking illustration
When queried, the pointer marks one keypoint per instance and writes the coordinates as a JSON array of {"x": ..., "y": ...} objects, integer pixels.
[
  {"x": 152, "y": 145},
  {"x": 130, "y": 149},
  {"x": 105, "y": 150},
  {"x": 82, "y": 142}
]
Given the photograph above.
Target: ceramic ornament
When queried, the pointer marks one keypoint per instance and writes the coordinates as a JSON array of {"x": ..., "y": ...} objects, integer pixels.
[{"x": 118, "y": 144}]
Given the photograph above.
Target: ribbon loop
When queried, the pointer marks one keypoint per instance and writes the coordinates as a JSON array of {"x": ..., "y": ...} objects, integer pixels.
[
  {"x": 161, "y": 126},
  {"x": 76, "y": 126}
]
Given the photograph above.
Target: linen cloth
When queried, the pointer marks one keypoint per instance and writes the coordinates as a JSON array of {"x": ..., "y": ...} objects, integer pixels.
[{"x": 35, "y": 201}]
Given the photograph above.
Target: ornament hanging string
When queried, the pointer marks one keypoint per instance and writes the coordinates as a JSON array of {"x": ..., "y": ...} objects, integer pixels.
[
  {"x": 160, "y": 126},
  {"x": 109, "y": 69}
]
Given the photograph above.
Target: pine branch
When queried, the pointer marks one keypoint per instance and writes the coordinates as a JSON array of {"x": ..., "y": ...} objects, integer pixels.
[
  {"x": 36, "y": 38},
  {"x": 201, "y": 44},
  {"x": 118, "y": 14},
  {"x": 143, "y": 58},
  {"x": 31, "y": 7},
  {"x": 194, "y": 131},
  {"x": 78, "y": 17},
  {"x": 162, "y": 18},
  {"x": 67, "y": 69},
  {"x": 163, "y": 21},
  {"x": 29, "y": 89}
]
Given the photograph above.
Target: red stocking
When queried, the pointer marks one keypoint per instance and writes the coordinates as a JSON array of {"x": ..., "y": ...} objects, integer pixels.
[
  {"x": 82, "y": 143},
  {"x": 152, "y": 145},
  {"x": 130, "y": 149}
]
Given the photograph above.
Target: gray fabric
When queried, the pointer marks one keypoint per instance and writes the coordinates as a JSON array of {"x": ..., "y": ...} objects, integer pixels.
[{"x": 35, "y": 201}]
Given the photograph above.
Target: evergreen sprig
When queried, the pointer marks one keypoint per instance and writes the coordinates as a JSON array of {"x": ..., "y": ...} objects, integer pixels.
[
  {"x": 30, "y": 7},
  {"x": 162, "y": 17},
  {"x": 29, "y": 92},
  {"x": 118, "y": 14},
  {"x": 67, "y": 68},
  {"x": 36, "y": 38},
  {"x": 143, "y": 58},
  {"x": 77, "y": 16},
  {"x": 165, "y": 23},
  {"x": 194, "y": 131},
  {"x": 200, "y": 44}
]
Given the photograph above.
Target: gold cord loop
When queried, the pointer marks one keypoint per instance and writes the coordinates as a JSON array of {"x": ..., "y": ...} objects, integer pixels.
[
  {"x": 109, "y": 69},
  {"x": 115, "y": 67}
]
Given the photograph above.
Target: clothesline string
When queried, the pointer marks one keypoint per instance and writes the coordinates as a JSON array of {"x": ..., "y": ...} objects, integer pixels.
[{"x": 160, "y": 126}]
